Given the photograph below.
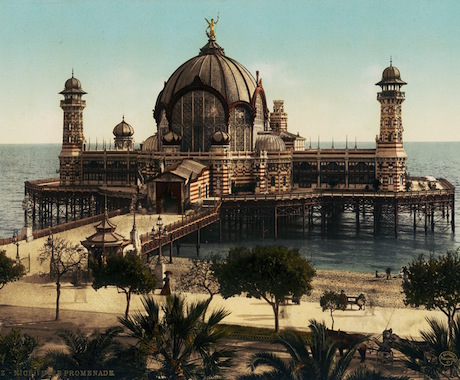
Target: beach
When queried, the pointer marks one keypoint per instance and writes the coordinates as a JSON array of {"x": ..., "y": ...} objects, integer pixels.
[{"x": 385, "y": 306}]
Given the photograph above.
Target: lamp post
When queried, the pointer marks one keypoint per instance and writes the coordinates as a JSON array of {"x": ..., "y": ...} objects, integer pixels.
[
  {"x": 51, "y": 245},
  {"x": 16, "y": 241},
  {"x": 159, "y": 267},
  {"x": 27, "y": 229}
]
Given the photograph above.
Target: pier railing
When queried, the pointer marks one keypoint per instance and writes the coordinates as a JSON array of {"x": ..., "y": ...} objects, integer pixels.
[
  {"x": 181, "y": 228},
  {"x": 325, "y": 193}
]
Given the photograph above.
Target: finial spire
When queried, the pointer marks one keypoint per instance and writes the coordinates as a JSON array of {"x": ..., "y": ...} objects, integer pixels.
[
  {"x": 72, "y": 72},
  {"x": 391, "y": 61}
]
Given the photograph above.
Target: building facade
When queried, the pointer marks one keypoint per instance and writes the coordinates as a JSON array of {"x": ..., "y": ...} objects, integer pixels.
[{"x": 213, "y": 112}]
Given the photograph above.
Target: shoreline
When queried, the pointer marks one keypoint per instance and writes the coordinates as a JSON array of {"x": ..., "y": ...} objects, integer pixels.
[{"x": 379, "y": 292}]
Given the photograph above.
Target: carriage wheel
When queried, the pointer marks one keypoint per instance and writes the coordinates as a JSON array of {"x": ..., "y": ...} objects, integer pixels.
[{"x": 385, "y": 357}]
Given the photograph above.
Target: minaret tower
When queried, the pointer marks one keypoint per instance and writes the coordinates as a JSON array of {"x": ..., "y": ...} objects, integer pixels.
[
  {"x": 390, "y": 154},
  {"x": 278, "y": 118},
  {"x": 73, "y": 141}
]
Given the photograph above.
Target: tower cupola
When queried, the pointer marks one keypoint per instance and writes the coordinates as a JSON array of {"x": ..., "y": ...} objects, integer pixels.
[{"x": 123, "y": 133}]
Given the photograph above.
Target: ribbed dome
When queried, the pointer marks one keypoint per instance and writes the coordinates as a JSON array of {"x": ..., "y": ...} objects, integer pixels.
[
  {"x": 269, "y": 143},
  {"x": 171, "y": 138},
  {"x": 210, "y": 68},
  {"x": 123, "y": 129},
  {"x": 391, "y": 75},
  {"x": 220, "y": 138},
  {"x": 72, "y": 86},
  {"x": 150, "y": 144}
]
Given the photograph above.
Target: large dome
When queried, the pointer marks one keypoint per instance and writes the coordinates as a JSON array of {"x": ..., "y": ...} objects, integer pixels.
[{"x": 210, "y": 69}]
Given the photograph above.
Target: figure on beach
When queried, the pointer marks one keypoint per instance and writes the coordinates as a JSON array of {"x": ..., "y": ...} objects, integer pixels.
[
  {"x": 388, "y": 273},
  {"x": 212, "y": 33}
]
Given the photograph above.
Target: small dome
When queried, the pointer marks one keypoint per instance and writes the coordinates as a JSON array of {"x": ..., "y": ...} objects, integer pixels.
[
  {"x": 150, "y": 144},
  {"x": 220, "y": 138},
  {"x": 123, "y": 129},
  {"x": 391, "y": 75},
  {"x": 72, "y": 86},
  {"x": 269, "y": 143},
  {"x": 171, "y": 138}
]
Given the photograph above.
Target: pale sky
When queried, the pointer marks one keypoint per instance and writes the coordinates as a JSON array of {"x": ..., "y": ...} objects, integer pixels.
[{"x": 322, "y": 57}]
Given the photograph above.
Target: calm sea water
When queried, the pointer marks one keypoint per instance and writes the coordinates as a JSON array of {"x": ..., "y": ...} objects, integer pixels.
[{"x": 342, "y": 249}]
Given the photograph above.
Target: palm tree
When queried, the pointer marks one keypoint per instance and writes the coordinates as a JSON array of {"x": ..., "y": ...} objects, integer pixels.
[
  {"x": 321, "y": 363},
  {"x": 181, "y": 343},
  {"x": 423, "y": 357},
  {"x": 17, "y": 354},
  {"x": 98, "y": 351},
  {"x": 365, "y": 373}
]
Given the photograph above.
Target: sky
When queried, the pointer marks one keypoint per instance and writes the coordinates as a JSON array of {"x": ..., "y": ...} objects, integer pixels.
[{"x": 322, "y": 58}]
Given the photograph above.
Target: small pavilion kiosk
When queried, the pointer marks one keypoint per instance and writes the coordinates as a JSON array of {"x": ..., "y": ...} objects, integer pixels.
[{"x": 105, "y": 241}]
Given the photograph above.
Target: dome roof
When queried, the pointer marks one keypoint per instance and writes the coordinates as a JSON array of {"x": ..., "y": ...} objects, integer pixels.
[
  {"x": 123, "y": 129},
  {"x": 150, "y": 144},
  {"x": 72, "y": 86},
  {"x": 171, "y": 138},
  {"x": 210, "y": 68},
  {"x": 391, "y": 75},
  {"x": 220, "y": 138},
  {"x": 269, "y": 143}
]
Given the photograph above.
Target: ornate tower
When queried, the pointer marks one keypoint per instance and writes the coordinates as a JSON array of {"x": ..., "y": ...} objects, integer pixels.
[
  {"x": 390, "y": 154},
  {"x": 73, "y": 141},
  {"x": 278, "y": 118}
]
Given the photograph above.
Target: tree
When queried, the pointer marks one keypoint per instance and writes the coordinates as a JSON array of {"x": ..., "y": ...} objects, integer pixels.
[
  {"x": 64, "y": 258},
  {"x": 201, "y": 277},
  {"x": 268, "y": 272},
  {"x": 424, "y": 356},
  {"x": 181, "y": 343},
  {"x": 127, "y": 273},
  {"x": 17, "y": 354},
  {"x": 435, "y": 284},
  {"x": 314, "y": 359},
  {"x": 333, "y": 301},
  {"x": 99, "y": 351},
  {"x": 10, "y": 271}
]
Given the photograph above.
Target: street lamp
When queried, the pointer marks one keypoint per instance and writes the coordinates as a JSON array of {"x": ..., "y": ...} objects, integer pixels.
[
  {"x": 16, "y": 241},
  {"x": 159, "y": 268},
  {"x": 51, "y": 245}
]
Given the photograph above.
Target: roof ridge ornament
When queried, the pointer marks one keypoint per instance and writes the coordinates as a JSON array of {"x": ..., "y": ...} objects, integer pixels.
[{"x": 211, "y": 33}]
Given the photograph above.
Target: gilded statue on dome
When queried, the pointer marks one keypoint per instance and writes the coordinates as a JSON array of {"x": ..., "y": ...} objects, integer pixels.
[{"x": 211, "y": 33}]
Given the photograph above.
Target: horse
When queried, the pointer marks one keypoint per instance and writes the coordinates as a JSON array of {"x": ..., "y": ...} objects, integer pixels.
[{"x": 345, "y": 341}]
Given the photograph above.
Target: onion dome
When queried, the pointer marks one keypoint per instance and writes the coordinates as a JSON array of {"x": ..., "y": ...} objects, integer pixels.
[
  {"x": 220, "y": 138},
  {"x": 123, "y": 129},
  {"x": 391, "y": 75},
  {"x": 212, "y": 70},
  {"x": 171, "y": 138},
  {"x": 72, "y": 86},
  {"x": 270, "y": 143},
  {"x": 151, "y": 144}
]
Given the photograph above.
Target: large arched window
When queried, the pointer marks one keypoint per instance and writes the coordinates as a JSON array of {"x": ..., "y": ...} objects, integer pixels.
[
  {"x": 195, "y": 117},
  {"x": 240, "y": 129}
]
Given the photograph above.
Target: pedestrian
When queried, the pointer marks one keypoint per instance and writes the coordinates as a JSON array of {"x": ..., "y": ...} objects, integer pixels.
[{"x": 388, "y": 272}]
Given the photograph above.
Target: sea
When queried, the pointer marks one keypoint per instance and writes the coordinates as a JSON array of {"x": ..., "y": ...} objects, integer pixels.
[{"x": 342, "y": 249}]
